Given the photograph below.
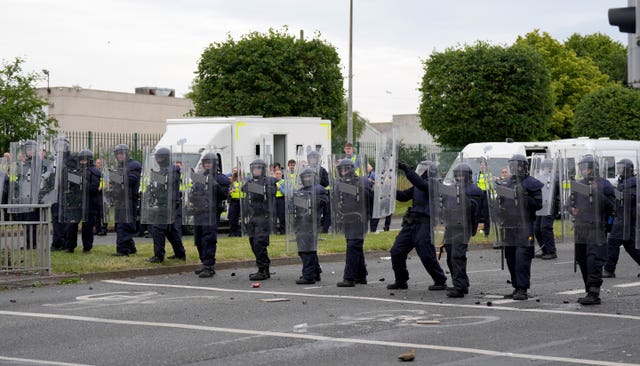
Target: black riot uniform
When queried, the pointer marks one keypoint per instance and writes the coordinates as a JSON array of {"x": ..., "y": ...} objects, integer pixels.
[
  {"x": 171, "y": 204},
  {"x": 354, "y": 210},
  {"x": 313, "y": 159},
  {"x": 306, "y": 228},
  {"x": 58, "y": 241},
  {"x": 258, "y": 202},
  {"x": 543, "y": 227},
  {"x": 461, "y": 217},
  {"x": 88, "y": 214},
  {"x": 591, "y": 208},
  {"x": 623, "y": 231},
  {"x": 519, "y": 249},
  {"x": 415, "y": 233},
  {"x": 130, "y": 169},
  {"x": 205, "y": 195}
]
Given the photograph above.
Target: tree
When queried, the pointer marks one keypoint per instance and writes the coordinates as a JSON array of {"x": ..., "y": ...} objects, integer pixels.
[
  {"x": 485, "y": 93},
  {"x": 610, "y": 56},
  {"x": 572, "y": 78},
  {"x": 21, "y": 110},
  {"x": 271, "y": 74},
  {"x": 613, "y": 111}
]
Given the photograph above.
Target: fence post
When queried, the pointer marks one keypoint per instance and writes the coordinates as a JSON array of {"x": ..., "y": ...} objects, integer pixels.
[{"x": 90, "y": 140}]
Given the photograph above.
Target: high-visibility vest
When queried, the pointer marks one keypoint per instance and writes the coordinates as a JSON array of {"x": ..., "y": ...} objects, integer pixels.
[
  {"x": 279, "y": 185},
  {"x": 237, "y": 190},
  {"x": 483, "y": 181}
]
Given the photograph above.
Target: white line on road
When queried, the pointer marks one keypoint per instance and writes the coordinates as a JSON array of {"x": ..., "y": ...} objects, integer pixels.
[
  {"x": 632, "y": 284},
  {"x": 558, "y": 263},
  {"x": 396, "y": 301},
  {"x": 39, "y": 362},
  {"x": 571, "y": 292},
  {"x": 312, "y": 337}
]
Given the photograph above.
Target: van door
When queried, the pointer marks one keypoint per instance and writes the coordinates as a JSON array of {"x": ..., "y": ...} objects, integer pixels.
[{"x": 280, "y": 149}]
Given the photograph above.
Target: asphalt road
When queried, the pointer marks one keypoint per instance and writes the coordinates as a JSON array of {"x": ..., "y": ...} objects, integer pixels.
[{"x": 180, "y": 319}]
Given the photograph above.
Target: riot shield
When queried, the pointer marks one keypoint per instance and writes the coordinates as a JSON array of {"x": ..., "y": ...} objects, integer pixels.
[
  {"x": 439, "y": 189},
  {"x": 4, "y": 180},
  {"x": 302, "y": 208},
  {"x": 200, "y": 199},
  {"x": 72, "y": 188},
  {"x": 385, "y": 180},
  {"x": 625, "y": 190},
  {"x": 350, "y": 196},
  {"x": 25, "y": 171},
  {"x": 545, "y": 169},
  {"x": 116, "y": 193},
  {"x": 159, "y": 185},
  {"x": 257, "y": 204},
  {"x": 588, "y": 204},
  {"x": 509, "y": 215},
  {"x": 49, "y": 182}
]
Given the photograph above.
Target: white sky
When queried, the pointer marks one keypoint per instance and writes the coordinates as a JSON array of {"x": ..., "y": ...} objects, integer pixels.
[{"x": 122, "y": 44}]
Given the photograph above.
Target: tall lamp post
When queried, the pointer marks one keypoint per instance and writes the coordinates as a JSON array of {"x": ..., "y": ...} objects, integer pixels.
[
  {"x": 46, "y": 72},
  {"x": 350, "y": 95}
]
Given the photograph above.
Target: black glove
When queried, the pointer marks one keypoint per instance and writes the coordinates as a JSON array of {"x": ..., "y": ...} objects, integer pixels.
[{"x": 403, "y": 166}]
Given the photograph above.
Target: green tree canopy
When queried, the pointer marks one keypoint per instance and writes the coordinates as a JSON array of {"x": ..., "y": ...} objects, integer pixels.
[
  {"x": 21, "y": 109},
  {"x": 485, "y": 93},
  {"x": 613, "y": 111},
  {"x": 271, "y": 74},
  {"x": 610, "y": 56},
  {"x": 572, "y": 78}
]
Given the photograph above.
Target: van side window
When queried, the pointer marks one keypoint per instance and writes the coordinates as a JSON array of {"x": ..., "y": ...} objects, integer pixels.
[{"x": 610, "y": 167}]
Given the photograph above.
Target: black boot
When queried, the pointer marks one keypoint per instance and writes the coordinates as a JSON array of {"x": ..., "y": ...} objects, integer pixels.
[
  {"x": 262, "y": 274},
  {"x": 592, "y": 298}
]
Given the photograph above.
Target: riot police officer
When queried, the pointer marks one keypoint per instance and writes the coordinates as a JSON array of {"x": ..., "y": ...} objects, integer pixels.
[
  {"x": 257, "y": 205},
  {"x": 518, "y": 213},
  {"x": 352, "y": 195},
  {"x": 592, "y": 203},
  {"x": 623, "y": 231},
  {"x": 61, "y": 149},
  {"x": 208, "y": 188},
  {"x": 313, "y": 159},
  {"x": 164, "y": 192},
  {"x": 460, "y": 212},
  {"x": 307, "y": 204},
  {"x": 415, "y": 231},
  {"x": 543, "y": 227},
  {"x": 124, "y": 193},
  {"x": 89, "y": 203}
]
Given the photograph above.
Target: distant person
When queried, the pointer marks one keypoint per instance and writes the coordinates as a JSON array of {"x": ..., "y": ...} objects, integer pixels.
[
  {"x": 124, "y": 186},
  {"x": 235, "y": 194}
]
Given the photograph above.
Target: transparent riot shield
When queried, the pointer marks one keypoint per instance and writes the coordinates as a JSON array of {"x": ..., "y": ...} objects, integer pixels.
[
  {"x": 441, "y": 180},
  {"x": 350, "y": 198},
  {"x": 25, "y": 172},
  {"x": 303, "y": 211},
  {"x": 4, "y": 180},
  {"x": 200, "y": 199},
  {"x": 257, "y": 204},
  {"x": 626, "y": 197},
  {"x": 159, "y": 185},
  {"x": 385, "y": 177},
  {"x": 72, "y": 188},
  {"x": 545, "y": 169},
  {"x": 116, "y": 192},
  {"x": 509, "y": 215},
  {"x": 49, "y": 181},
  {"x": 590, "y": 206}
]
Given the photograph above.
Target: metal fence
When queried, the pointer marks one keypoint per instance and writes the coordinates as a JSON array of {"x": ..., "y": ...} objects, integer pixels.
[
  {"x": 412, "y": 154},
  {"x": 105, "y": 141},
  {"x": 25, "y": 243}
]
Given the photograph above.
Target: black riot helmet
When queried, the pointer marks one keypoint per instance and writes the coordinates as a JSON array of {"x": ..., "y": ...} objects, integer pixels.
[
  {"x": 61, "y": 144},
  {"x": 462, "y": 173},
  {"x": 210, "y": 157},
  {"x": 313, "y": 158},
  {"x": 121, "y": 149},
  {"x": 163, "y": 157},
  {"x": 547, "y": 165},
  {"x": 519, "y": 165},
  {"x": 86, "y": 155},
  {"x": 256, "y": 165},
  {"x": 624, "y": 168},
  {"x": 308, "y": 177},
  {"x": 588, "y": 166},
  {"x": 346, "y": 168},
  {"x": 30, "y": 148}
]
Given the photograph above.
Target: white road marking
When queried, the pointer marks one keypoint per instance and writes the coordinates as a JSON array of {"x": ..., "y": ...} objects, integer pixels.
[
  {"x": 312, "y": 337},
  {"x": 632, "y": 284},
  {"x": 380, "y": 299},
  {"x": 558, "y": 263},
  {"x": 571, "y": 292},
  {"x": 39, "y": 362}
]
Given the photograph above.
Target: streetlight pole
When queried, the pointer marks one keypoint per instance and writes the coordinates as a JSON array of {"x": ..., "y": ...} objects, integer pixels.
[
  {"x": 46, "y": 72},
  {"x": 350, "y": 95}
]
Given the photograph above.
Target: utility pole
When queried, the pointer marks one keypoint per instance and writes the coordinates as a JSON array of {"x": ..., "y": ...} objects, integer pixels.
[{"x": 350, "y": 95}]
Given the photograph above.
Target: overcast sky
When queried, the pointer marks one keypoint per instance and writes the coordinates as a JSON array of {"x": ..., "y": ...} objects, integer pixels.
[{"x": 122, "y": 44}]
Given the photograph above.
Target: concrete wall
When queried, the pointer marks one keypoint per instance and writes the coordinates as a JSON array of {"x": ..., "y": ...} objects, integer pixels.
[{"x": 78, "y": 109}]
